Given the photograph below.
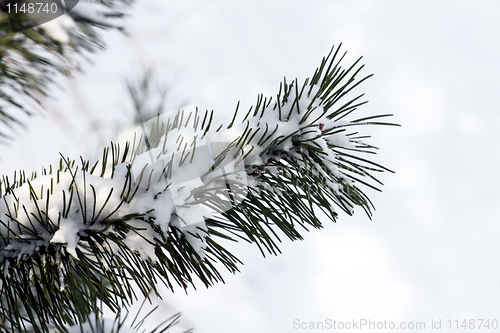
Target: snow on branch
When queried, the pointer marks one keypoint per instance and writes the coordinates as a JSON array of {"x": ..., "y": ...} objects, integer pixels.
[{"x": 160, "y": 206}]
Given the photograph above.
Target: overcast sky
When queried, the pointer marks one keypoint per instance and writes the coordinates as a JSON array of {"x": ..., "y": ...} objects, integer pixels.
[{"x": 431, "y": 251}]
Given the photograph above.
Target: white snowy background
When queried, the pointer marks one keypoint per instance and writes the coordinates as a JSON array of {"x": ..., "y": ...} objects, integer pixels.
[{"x": 431, "y": 251}]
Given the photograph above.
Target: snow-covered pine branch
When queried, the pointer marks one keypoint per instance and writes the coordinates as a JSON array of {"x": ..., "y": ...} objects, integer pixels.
[{"x": 160, "y": 207}]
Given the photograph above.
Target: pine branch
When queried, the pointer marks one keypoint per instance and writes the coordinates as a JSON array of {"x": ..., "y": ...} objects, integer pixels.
[
  {"x": 32, "y": 60},
  {"x": 160, "y": 208}
]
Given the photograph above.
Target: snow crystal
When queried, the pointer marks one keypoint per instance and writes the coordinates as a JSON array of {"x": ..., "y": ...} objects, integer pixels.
[{"x": 68, "y": 234}]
